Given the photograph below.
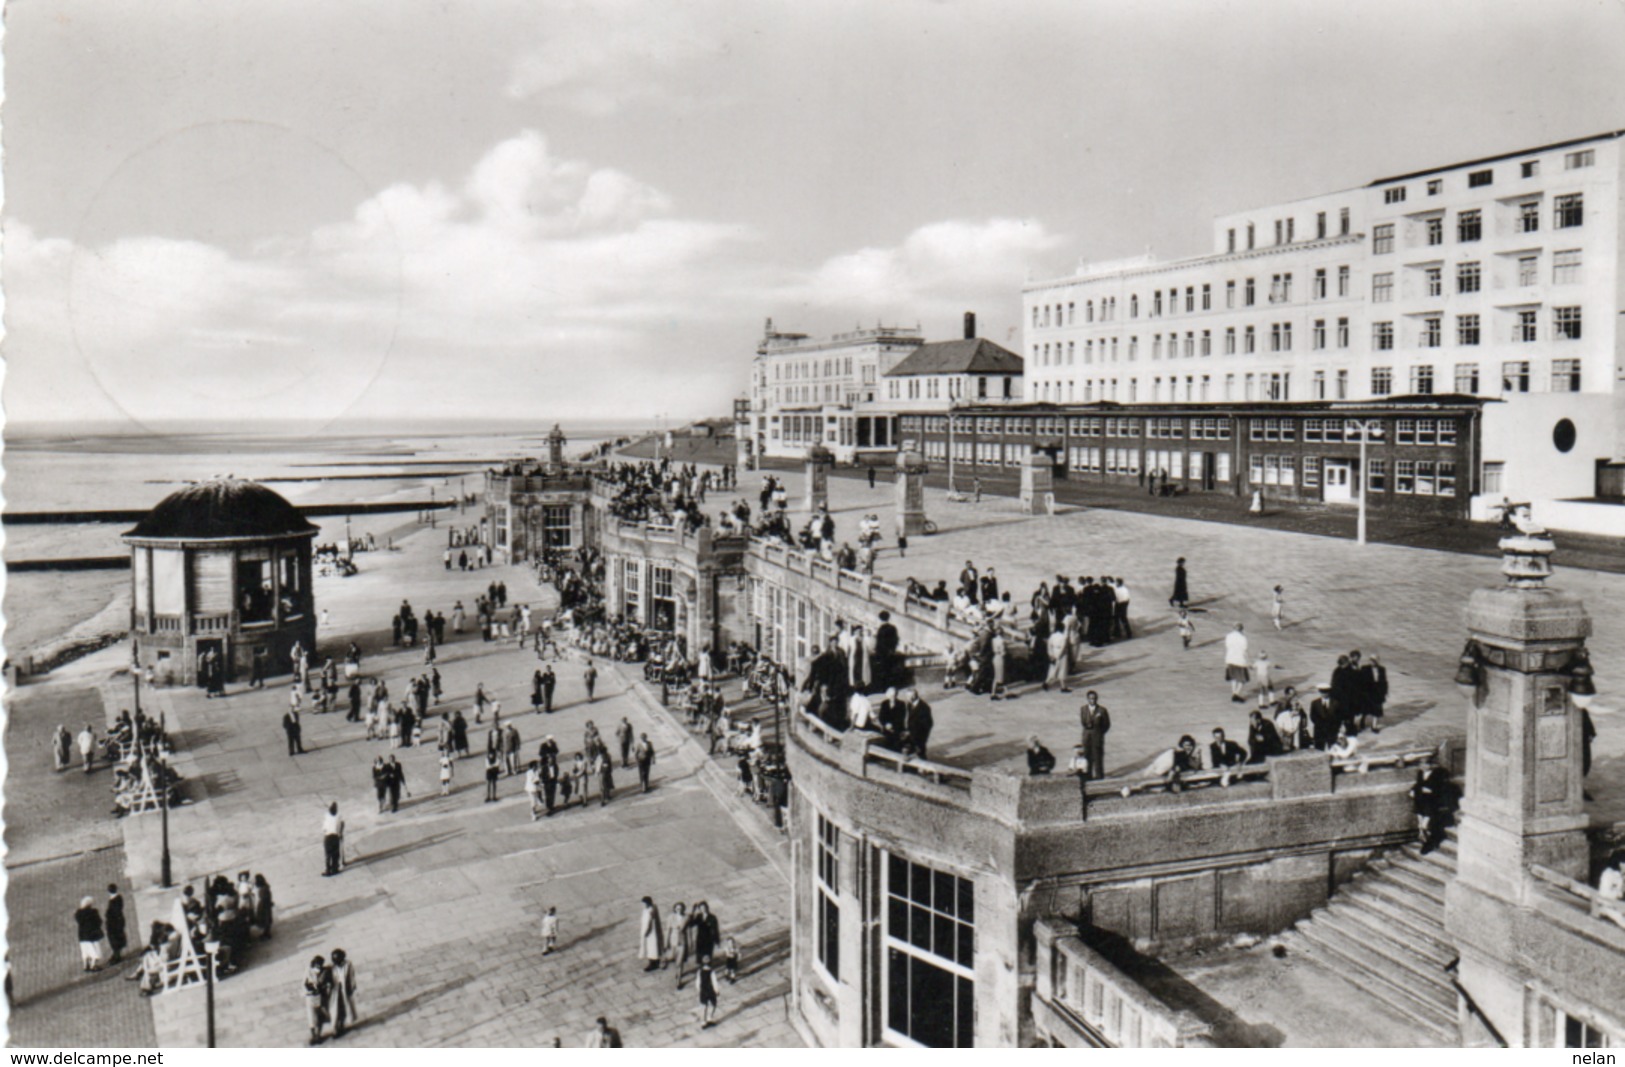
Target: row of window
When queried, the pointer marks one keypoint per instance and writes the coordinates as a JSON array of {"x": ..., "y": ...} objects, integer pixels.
[
  {"x": 1568, "y": 211},
  {"x": 1478, "y": 179},
  {"x": 1280, "y": 292},
  {"x": 1406, "y": 431},
  {"x": 1470, "y": 276},
  {"x": 836, "y": 365},
  {"x": 1515, "y": 378},
  {"x": 1412, "y": 477},
  {"x": 1286, "y": 230}
]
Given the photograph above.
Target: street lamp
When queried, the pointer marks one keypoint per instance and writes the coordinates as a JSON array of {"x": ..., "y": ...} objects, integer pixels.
[
  {"x": 166, "y": 877},
  {"x": 431, "y": 507},
  {"x": 1368, "y": 428},
  {"x": 951, "y": 402},
  {"x": 210, "y": 948}
]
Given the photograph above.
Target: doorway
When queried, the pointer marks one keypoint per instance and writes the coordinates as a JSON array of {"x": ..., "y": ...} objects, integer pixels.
[{"x": 1339, "y": 482}]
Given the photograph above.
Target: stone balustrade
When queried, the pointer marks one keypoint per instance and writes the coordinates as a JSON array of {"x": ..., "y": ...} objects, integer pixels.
[{"x": 1082, "y": 1000}]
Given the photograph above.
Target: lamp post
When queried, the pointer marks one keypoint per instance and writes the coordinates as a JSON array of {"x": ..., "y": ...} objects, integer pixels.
[
  {"x": 166, "y": 877},
  {"x": 209, "y": 948},
  {"x": 1368, "y": 427},
  {"x": 951, "y": 400},
  {"x": 431, "y": 507}
]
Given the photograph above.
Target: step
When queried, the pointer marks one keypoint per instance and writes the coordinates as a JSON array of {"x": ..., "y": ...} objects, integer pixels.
[
  {"x": 1425, "y": 1014},
  {"x": 1420, "y": 867},
  {"x": 1416, "y": 883},
  {"x": 1390, "y": 956},
  {"x": 1382, "y": 913},
  {"x": 1428, "y": 1002},
  {"x": 1444, "y": 861},
  {"x": 1420, "y": 912},
  {"x": 1390, "y": 937}
]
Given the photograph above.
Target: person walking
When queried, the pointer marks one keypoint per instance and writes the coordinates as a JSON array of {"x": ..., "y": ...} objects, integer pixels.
[
  {"x": 117, "y": 933},
  {"x": 317, "y": 989},
  {"x": 1236, "y": 663},
  {"x": 342, "y": 997},
  {"x": 606, "y": 776},
  {"x": 1095, "y": 722},
  {"x": 644, "y": 753},
  {"x": 264, "y": 906},
  {"x": 1057, "y": 650},
  {"x": 397, "y": 782},
  {"x": 291, "y": 727},
  {"x": 511, "y": 746},
  {"x": 1278, "y": 606},
  {"x": 332, "y": 841},
  {"x": 1182, "y": 593},
  {"x": 707, "y": 983},
  {"x": 650, "y": 941},
  {"x": 550, "y": 930},
  {"x": 446, "y": 768},
  {"x": 549, "y": 682},
  {"x": 623, "y": 736},
  {"x": 580, "y": 780},
  {"x": 590, "y": 677},
  {"x": 678, "y": 939},
  {"x": 493, "y": 771},
  {"x": 62, "y": 747},
  {"x": 92, "y": 950},
  {"x": 87, "y": 747},
  {"x": 380, "y": 782}
]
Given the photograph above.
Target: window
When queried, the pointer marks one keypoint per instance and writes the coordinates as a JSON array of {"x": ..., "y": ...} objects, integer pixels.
[
  {"x": 1342, "y": 385},
  {"x": 1431, "y": 332},
  {"x": 1156, "y": 302},
  {"x": 1467, "y": 329},
  {"x": 1529, "y": 216},
  {"x": 1376, "y": 475},
  {"x": 1478, "y": 178},
  {"x": 1515, "y": 376},
  {"x": 1382, "y": 238},
  {"x": 1467, "y": 378},
  {"x": 1247, "y": 295},
  {"x": 1190, "y": 298},
  {"x": 1469, "y": 225},
  {"x": 1469, "y": 277},
  {"x": 1230, "y": 341},
  {"x": 1435, "y": 186},
  {"x": 1134, "y": 306},
  {"x": 1524, "y": 332},
  {"x": 1231, "y": 240},
  {"x": 1565, "y": 376},
  {"x": 1529, "y": 168},
  {"x": 1311, "y": 471},
  {"x": 1249, "y": 342},
  {"x": 1382, "y": 336},
  {"x": 1290, "y": 226},
  {"x": 556, "y": 526},
  {"x": 1207, "y": 342},
  {"x": 930, "y": 957},
  {"x": 1207, "y": 297},
  {"x": 1405, "y": 476},
  {"x": 1435, "y": 227},
  {"x": 1319, "y": 291},
  {"x": 1422, "y": 378},
  {"x": 1250, "y": 234},
  {"x": 1382, "y": 381},
  {"x": 1566, "y": 323},
  {"x": 1230, "y": 294},
  {"x": 1394, "y": 195},
  {"x": 1342, "y": 281},
  {"x": 1494, "y": 472},
  {"x": 1566, "y": 267},
  {"x": 829, "y": 906},
  {"x": 1071, "y": 313},
  {"x": 1435, "y": 283},
  {"x": 1568, "y": 211},
  {"x": 1317, "y": 336},
  {"x": 1576, "y": 160},
  {"x": 1342, "y": 333},
  {"x": 1277, "y": 231},
  {"x": 1528, "y": 270},
  {"x": 1343, "y": 221},
  {"x": 1382, "y": 288},
  {"x": 1319, "y": 385},
  {"x": 1320, "y": 225}
]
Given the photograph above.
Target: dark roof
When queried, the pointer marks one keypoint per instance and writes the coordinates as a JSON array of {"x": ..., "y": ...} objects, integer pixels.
[
  {"x": 975, "y": 356},
  {"x": 223, "y": 508},
  {"x": 1611, "y": 135}
]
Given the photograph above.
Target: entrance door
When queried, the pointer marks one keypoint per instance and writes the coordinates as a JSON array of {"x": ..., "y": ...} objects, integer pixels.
[
  {"x": 1209, "y": 478},
  {"x": 1339, "y": 482}
]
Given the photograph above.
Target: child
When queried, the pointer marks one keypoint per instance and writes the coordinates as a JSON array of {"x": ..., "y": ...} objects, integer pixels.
[
  {"x": 445, "y": 774},
  {"x": 744, "y": 775},
  {"x": 1261, "y": 671},
  {"x": 1187, "y": 628},
  {"x": 730, "y": 960},
  {"x": 708, "y": 994},
  {"x": 1276, "y": 607},
  {"x": 550, "y": 931}
]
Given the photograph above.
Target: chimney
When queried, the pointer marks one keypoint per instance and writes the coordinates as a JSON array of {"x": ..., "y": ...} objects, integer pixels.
[{"x": 970, "y": 325}]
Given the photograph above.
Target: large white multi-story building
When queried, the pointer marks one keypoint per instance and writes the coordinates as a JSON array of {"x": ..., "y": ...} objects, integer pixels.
[{"x": 1499, "y": 278}]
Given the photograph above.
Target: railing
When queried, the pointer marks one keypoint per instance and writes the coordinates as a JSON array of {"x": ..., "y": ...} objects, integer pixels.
[
  {"x": 1128, "y": 786},
  {"x": 1101, "y": 1006},
  {"x": 204, "y": 624},
  {"x": 823, "y": 730},
  {"x": 1363, "y": 764},
  {"x": 1582, "y": 895},
  {"x": 940, "y": 773},
  {"x": 874, "y": 590}
]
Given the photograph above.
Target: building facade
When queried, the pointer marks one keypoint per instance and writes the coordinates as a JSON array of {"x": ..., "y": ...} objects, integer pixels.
[
  {"x": 939, "y": 374},
  {"x": 806, "y": 391},
  {"x": 1497, "y": 278}
]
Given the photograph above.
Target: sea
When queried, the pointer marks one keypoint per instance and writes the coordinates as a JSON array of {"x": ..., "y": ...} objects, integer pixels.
[{"x": 56, "y": 472}]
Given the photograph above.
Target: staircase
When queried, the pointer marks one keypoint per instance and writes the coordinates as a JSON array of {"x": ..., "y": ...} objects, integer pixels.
[{"x": 1384, "y": 931}]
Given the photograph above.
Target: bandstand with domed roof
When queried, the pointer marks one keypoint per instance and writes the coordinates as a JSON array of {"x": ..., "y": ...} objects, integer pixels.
[{"x": 220, "y": 566}]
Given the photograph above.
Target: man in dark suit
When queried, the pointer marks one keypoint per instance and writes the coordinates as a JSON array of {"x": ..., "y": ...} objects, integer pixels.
[
  {"x": 1323, "y": 718},
  {"x": 291, "y": 727},
  {"x": 117, "y": 933},
  {"x": 917, "y": 723},
  {"x": 1224, "y": 753},
  {"x": 967, "y": 580},
  {"x": 990, "y": 586},
  {"x": 883, "y": 671},
  {"x": 1374, "y": 687}
]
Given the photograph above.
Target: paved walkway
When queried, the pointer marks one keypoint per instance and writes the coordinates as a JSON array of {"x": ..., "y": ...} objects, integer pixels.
[{"x": 440, "y": 903}]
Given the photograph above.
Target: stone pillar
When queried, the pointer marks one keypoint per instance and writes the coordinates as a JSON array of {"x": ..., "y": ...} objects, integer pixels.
[
  {"x": 819, "y": 461},
  {"x": 742, "y": 447},
  {"x": 910, "y": 493},
  {"x": 1038, "y": 484},
  {"x": 1522, "y": 803},
  {"x": 555, "y": 448}
]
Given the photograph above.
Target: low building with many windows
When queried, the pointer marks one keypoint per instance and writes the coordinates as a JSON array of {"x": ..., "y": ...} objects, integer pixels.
[{"x": 1497, "y": 278}]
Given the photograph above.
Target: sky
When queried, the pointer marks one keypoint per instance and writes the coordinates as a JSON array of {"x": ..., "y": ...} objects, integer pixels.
[{"x": 401, "y": 211}]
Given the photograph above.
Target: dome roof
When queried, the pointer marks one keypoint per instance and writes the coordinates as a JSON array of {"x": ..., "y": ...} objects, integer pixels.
[{"x": 226, "y": 507}]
